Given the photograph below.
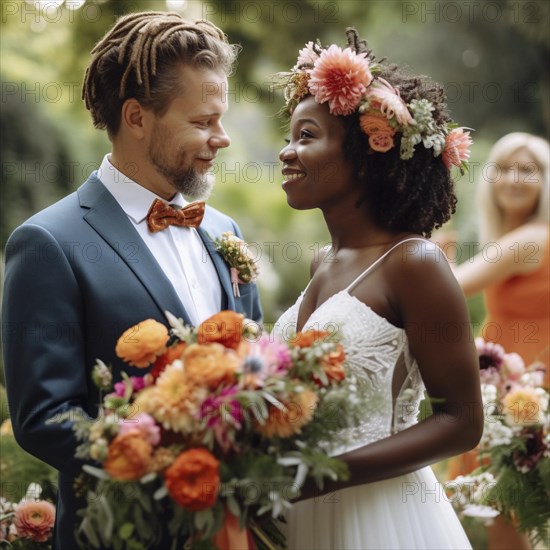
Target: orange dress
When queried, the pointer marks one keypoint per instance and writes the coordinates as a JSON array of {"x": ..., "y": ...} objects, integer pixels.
[
  {"x": 518, "y": 314},
  {"x": 518, "y": 318}
]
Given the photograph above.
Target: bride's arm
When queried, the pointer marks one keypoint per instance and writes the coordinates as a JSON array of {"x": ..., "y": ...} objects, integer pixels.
[{"x": 427, "y": 298}]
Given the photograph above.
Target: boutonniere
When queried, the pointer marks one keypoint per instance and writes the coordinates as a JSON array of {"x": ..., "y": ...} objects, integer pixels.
[{"x": 236, "y": 253}]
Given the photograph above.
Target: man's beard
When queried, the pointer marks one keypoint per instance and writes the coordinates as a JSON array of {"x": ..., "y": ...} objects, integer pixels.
[{"x": 187, "y": 181}]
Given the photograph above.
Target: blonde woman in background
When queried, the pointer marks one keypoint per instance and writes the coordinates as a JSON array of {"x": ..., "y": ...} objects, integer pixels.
[
  {"x": 513, "y": 266},
  {"x": 513, "y": 270}
]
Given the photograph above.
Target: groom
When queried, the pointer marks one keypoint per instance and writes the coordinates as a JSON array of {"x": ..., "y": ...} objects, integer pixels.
[{"x": 82, "y": 271}]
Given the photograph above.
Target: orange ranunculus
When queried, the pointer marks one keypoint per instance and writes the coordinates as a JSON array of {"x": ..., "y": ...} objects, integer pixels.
[
  {"x": 210, "y": 365},
  {"x": 129, "y": 456},
  {"x": 169, "y": 356},
  {"x": 141, "y": 344},
  {"x": 297, "y": 413},
  {"x": 34, "y": 519},
  {"x": 333, "y": 364},
  {"x": 193, "y": 479},
  {"x": 307, "y": 338},
  {"x": 372, "y": 123},
  {"x": 225, "y": 327}
]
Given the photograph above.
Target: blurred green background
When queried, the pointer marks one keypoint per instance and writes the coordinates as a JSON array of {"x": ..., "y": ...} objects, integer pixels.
[{"x": 490, "y": 56}]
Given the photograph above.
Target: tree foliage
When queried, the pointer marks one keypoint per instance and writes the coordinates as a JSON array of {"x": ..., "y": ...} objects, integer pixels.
[{"x": 490, "y": 56}]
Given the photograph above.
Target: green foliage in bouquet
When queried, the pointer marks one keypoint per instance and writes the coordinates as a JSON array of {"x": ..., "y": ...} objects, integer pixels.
[
  {"x": 120, "y": 515},
  {"x": 523, "y": 496}
]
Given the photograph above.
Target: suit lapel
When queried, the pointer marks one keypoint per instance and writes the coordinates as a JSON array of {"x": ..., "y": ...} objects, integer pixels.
[
  {"x": 107, "y": 218},
  {"x": 228, "y": 300}
]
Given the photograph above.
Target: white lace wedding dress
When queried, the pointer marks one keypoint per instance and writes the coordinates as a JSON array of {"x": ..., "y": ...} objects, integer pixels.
[{"x": 407, "y": 512}]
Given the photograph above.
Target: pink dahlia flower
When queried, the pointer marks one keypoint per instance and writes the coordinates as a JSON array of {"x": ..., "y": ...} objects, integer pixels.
[
  {"x": 34, "y": 519},
  {"x": 306, "y": 56},
  {"x": 340, "y": 77},
  {"x": 457, "y": 148}
]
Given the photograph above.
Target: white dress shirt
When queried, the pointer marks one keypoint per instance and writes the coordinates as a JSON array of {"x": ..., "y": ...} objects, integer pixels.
[{"x": 179, "y": 251}]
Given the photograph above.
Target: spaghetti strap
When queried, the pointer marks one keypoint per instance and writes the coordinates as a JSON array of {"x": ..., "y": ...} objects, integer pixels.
[{"x": 358, "y": 279}]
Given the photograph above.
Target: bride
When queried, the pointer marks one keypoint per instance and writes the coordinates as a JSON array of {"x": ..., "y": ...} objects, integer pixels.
[{"x": 372, "y": 148}]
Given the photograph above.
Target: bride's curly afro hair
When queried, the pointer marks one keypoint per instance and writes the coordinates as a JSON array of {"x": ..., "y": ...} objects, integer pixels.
[{"x": 415, "y": 195}]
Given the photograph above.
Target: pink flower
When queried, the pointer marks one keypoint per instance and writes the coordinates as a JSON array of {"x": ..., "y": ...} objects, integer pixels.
[
  {"x": 138, "y": 383},
  {"x": 340, "y": 77},
  {"x": 491, "y": 357},
  {"x": 34, "y": 519},
  {"x": 456, "y": 150},
  {"x": 306, "y": 56},
  {"x": 513, "y": 367},
  {"x": 387, "y": 100},
  {"x": 265, "y": 358},
  {"x": 145, "y": 424},
  {"x": 223, "y": 415}
]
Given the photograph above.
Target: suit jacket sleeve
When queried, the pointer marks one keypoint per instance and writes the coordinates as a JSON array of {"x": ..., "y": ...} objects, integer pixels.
[{"x": 43, "y": 344}]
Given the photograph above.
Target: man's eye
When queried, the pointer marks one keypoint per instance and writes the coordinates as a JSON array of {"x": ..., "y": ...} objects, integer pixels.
[{"x": 305, "y": 134}]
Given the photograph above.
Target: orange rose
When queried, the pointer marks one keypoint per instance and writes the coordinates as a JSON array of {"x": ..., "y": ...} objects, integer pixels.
[
  {"x": 35, "y": 519},
  {"x": 297, "y": 413},
  {"x": 333, "y": 364},
  {"x": 381, "y": 142},
  {"x": 141, "y": 344},
  {"x": 193, "y": 479},
  {"x": 168, "y": 357},
  {"x": 210, "y": 365},
  {"x": 225, "y": 327},
  {"x": 307, "y": 338},
  {"x": 129, "y": 456},
  {"x": 372, "y": 123}
]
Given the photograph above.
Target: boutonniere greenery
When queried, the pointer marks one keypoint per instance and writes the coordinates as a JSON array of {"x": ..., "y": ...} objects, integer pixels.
[{"x": 241, "y": 260}]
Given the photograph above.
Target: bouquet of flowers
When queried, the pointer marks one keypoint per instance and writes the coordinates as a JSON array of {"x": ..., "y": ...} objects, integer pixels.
[
  {"x": 514, "y": 452},
  {"x": 28, "y": 524},
  {"x": 212, "y": 444}
]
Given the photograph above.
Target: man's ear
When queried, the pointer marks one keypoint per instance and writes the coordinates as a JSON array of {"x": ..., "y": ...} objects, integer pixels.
[{"x": 135, "y": 118}]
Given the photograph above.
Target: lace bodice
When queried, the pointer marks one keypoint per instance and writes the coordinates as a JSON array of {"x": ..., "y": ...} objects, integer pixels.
[{"x": 376, "y": 351}]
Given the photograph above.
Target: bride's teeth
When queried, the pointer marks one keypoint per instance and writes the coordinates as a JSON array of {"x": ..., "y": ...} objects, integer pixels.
[{"x": 294, "y": 176}]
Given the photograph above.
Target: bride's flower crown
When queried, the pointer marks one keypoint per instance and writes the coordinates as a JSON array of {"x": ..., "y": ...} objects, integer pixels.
[{"x": 348, "y": 81}]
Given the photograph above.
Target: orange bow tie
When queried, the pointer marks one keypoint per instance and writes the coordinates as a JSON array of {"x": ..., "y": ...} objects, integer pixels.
[{"x": 161, "y": 215}]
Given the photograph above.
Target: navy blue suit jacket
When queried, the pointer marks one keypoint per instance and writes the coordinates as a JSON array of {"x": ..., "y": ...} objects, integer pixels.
[{"x": 77, "y": 275}]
